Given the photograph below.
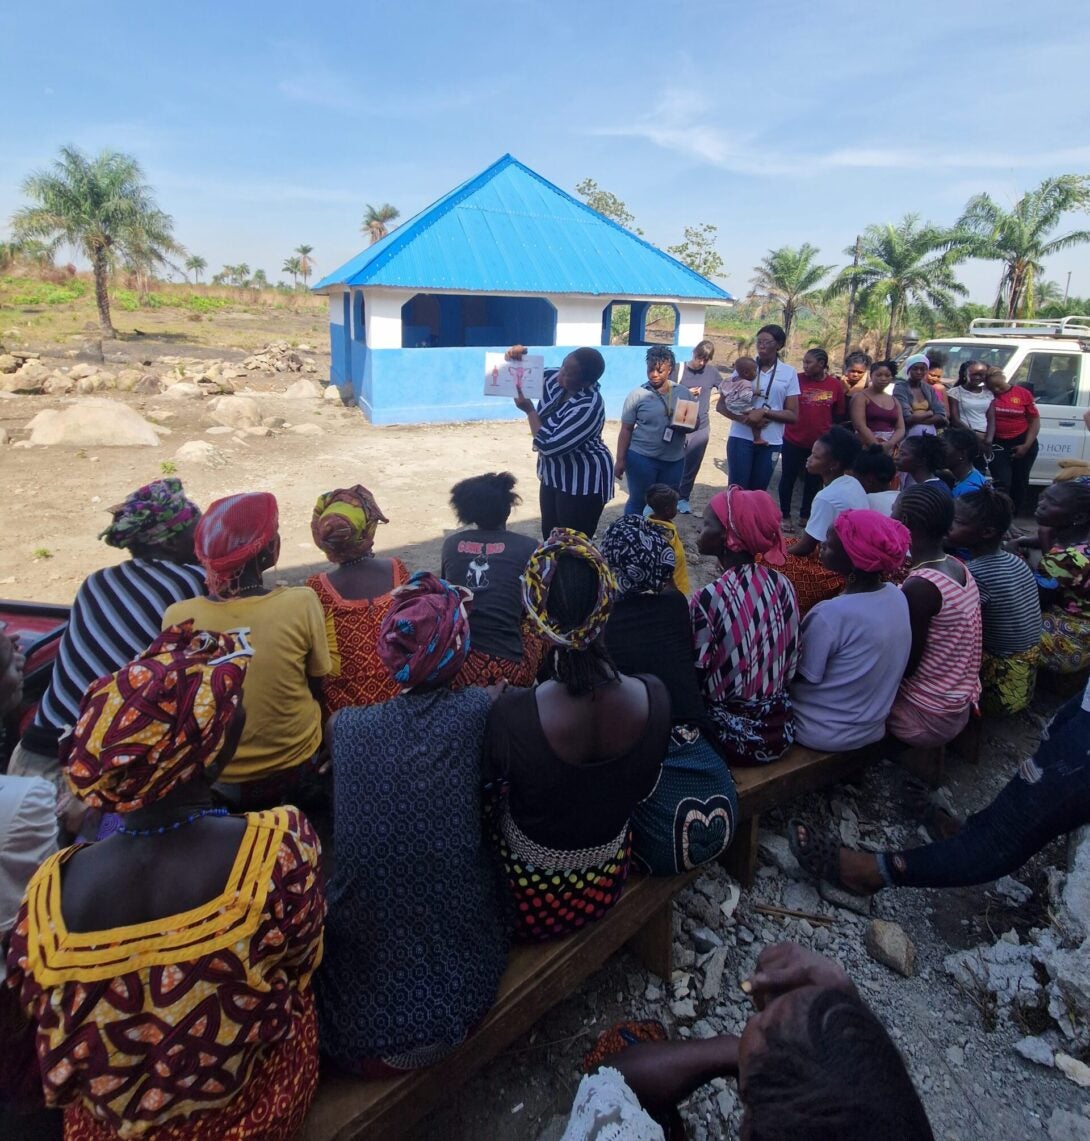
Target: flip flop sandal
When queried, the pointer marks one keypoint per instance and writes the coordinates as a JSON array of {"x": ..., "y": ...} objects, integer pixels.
[{"x": 819, "y": 855}]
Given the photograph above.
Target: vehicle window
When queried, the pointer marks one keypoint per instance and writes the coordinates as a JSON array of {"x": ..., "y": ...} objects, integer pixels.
[
  {"x": 951, "y": 355},
  {"x": 1053, "y": 378}
]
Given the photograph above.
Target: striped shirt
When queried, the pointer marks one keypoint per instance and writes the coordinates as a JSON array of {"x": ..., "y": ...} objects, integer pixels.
[
  {"x": 1010, "y": 602},
  {"x": 571, "y": 455},
  {"x": 116, "y": 615},
  {"x": 947, "y": 680}
]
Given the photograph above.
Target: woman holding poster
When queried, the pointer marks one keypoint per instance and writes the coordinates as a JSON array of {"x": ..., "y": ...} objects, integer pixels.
[{"x": 573, "y": 463}]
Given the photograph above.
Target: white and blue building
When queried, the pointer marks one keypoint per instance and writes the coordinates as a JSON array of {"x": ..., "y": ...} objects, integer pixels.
[{"x": 506, "y": 258}]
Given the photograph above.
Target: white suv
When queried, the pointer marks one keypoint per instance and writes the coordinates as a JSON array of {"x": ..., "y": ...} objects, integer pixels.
[{"x": 1049, "y": 357}]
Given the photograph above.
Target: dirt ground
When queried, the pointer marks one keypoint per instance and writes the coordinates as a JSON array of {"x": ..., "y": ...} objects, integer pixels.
[{"x": 56, "y": 500}]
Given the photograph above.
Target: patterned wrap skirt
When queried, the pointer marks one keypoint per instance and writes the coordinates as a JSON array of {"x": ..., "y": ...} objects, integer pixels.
[
  {"x": 1065, "y": 642},
  {"x": 557, "y": 892},
  {"x": 754, "y": 732},
  {"x": 1007, "y": 684},
  {"x": 270, "y": 1107},
  {"x": 812, "y": 582},
  {"x": 691, "y": 815},
  {"x": 487, "y": 669}
]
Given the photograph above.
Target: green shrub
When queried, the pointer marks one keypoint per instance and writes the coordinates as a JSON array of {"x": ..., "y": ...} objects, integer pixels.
[{"x": 44, "y": 292}]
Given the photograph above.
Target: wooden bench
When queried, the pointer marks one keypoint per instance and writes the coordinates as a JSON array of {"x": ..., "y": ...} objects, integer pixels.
[{"x": 537, "y": 978}]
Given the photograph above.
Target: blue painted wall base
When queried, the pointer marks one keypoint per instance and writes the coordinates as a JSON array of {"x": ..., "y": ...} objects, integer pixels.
[{"x": 435, "y": 386}]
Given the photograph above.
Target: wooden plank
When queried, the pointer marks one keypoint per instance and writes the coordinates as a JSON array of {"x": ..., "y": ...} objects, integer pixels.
[
  {"x": 653, "y": 944},
  {"x": 536, "y": 979},
  {"x": 740, "y": 859},
  {"x": 761, "y": 787}
]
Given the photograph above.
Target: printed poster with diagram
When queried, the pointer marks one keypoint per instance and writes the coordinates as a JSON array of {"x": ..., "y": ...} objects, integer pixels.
[{"x": 501, "y": 377}]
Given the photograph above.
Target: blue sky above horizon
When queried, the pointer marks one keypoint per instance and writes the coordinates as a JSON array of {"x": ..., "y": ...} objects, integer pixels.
[{"x": 262, "y": 126}]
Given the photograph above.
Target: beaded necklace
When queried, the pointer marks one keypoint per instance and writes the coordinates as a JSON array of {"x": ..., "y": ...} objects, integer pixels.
[{"x": 163, "y": 828}]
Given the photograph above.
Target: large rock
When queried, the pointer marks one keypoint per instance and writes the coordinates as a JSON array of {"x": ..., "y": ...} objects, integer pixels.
[
  {"x": 148, "y": 385},
  {"x": 306, "y": 429},
  {"x": 29, "y": 378},
  {"x": 184, "y": 390},
  {"x": 58, "y": 384},
  {"x": 303, "y": 389},
  {"x": 82, "y": 370},
  {"x": 888, "y": 944},
  {"x": 236, "y": 411},
  {"x": 8, "y": 363},
  {"x": 201, "y": 452},
  {"x": 128, "y": 379},
  {"x": 93, "y": 423}
]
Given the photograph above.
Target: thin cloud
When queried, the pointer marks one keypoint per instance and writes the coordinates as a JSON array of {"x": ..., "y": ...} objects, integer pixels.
[{"x": 680, "y": 122}]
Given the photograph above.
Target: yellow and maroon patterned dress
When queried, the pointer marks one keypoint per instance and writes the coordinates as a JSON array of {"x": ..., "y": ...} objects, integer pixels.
[
  {"x": 352, "y": 625},
  {"x": 197, "y": 1026}
]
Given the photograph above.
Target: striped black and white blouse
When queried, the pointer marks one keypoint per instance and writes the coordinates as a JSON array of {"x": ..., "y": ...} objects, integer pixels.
[
  {"x": 571, "y": 455},
  {"x": 116, "y": 615}
]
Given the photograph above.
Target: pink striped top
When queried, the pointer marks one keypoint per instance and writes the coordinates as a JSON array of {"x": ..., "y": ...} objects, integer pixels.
[{"x": 948, "y": 676}]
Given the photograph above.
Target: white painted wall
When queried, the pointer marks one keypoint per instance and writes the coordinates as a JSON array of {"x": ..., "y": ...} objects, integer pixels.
[
  {"x": 578, "y": 320},
  {"x": 336, "y": 309},
  {"x": 690, "y": 324},
  {"x": 382, "y": 311}
]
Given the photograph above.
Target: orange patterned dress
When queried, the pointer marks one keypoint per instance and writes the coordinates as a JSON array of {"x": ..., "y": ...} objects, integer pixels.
[
  {"x": 352, "y": 625},
  {"x": 197, "y": 1026}
]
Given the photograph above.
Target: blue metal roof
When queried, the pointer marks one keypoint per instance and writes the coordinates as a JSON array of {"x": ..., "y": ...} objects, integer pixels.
[{"x": 508, "y": 230}]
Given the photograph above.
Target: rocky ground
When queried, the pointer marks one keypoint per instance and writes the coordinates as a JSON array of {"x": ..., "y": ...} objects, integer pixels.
[{"x": 78, "y": 430}]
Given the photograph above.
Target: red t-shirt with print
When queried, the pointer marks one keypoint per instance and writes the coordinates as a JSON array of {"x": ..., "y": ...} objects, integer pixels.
[
  {"x": 1013, "y": 411},
  {"x": 819, "y": 402}
]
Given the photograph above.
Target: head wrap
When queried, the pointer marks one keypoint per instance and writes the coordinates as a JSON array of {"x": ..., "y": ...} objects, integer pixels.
[
  {"x": 157, "y": 722},
  {"x": 872, "y": 542},
  {"x": 917, "y": 358},
  {"x": 424, "y": 638},
  {"x": 751, "y": 522},
  {"x": 151, "y": 515},
  {"x": 639, "y": 554},
  {"x": 231, "y": 533},
  {"x": 538, "y": 576},
  {"x": 344, "y": 523}
]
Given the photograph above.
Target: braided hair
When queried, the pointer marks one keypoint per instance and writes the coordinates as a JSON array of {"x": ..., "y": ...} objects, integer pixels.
[
  {"x": 1077, "y": 495},
  {"x": 990, "y": 509},
  {"x": 929, "y": 450},
  {"x": 573, "y": 594},
  {"x": 962, "y": 440},
  {"x": 820, "y": 355},
  {"x": 963, "y": 372},
  {"x": 926, "y": 510}
]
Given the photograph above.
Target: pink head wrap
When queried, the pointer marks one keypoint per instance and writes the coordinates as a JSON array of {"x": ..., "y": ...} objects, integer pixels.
[
  {"x": 872, "y": 541},
  {"x": 751, "y": 522},
  {"x": 424, "y": 638},
  {"x": 233, "y": 531}
]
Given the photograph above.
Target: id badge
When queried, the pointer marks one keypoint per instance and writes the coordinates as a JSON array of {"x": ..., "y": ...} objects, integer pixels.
[{"x": 668, "y": 435}]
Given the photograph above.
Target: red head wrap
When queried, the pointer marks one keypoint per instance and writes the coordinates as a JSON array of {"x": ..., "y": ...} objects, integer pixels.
[
  {"x": 751, "y": 522},
  {"x": 231, "y": 533},
  {"x": 873, "y": 542},
  {"x": 424, "y": 638}
]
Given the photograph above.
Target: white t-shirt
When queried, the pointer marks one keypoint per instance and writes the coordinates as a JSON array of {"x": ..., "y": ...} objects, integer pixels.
[
  {"x": 770, "y": 390},
  {"x": 843, "y": 494},
  {"x": 883, "y": 501},
  {"x": 973, "y": 407}
]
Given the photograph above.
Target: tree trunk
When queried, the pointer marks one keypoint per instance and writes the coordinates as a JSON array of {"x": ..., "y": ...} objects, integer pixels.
[
  {"x": 851, "y": 300},
  {"x": 788, "y": 318},
  {"x": 894, "y": 306},
  {"x": 102, "y": 298}
]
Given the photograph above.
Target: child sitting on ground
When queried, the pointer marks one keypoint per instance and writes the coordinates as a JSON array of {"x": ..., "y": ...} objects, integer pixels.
[
  {"x": 738, "y": 391},
  {"x": 663, "y": 500}
]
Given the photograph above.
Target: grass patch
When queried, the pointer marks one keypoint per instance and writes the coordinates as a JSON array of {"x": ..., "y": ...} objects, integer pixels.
[
  {"x": 168, "y": 467},
  {"x": 42, "y": 553},
  {"x": 24, "y": 291}
]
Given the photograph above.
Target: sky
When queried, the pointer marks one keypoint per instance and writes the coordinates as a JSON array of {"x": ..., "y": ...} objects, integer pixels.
[{"x": 261, "y": 126}]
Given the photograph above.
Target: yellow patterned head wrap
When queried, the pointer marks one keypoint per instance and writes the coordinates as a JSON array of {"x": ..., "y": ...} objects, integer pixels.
[
  {"x": 157, "y": 722},
  {"x": 536, "y": 579}
]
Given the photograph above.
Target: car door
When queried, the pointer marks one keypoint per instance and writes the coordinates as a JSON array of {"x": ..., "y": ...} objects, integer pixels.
[{"x": 1058, "y": 379}]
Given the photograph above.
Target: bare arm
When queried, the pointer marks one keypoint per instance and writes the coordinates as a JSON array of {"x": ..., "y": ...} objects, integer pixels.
[
  {"x": 804, "y": 546},
  {"x": 898, "y": 432},
  {"x": 989, "y": 432},
  {"x": 624, "y": 438},
  {"x": 924, "y": 602},
  {"x": 858, "y": 409}
]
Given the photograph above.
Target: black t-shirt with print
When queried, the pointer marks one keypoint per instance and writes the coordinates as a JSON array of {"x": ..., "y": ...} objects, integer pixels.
[{"x": 490, "y": 563}]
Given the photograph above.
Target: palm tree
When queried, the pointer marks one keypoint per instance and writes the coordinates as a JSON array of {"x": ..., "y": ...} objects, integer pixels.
[
  {"x": 375, "y": 219},
  {"x": 294, "y": 267},
  {"x": 903, "y": 264},
  {"x": 196, "y": 264},
  {"x": 1019, "y": 237},
  {"x": 259, "y": 280},
  {"x": 789, "y": 278},
  {"x": 103, "y": 208},
  {"x": 305, "y": 263}
]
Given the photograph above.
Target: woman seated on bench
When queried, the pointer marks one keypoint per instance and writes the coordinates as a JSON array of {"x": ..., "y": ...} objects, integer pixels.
[
  {"x": 942, "y": 680},
  {"x": 1047, "y": 797},
  {"x": 1010, "y": 607},
  {"x": 573, "y": 756},
  {"x": 167, "y": 967},
  {"x": 690, "y": 817},
  {"x": 854, "y": 647},
  {"x": 746, "y": 627},
  {"x": 415, "y": 941},
  {"x": 832, "y": 461},
  {"x": 1063, "y": 574},
  {"x": 812, "y": 1061},
  {"x": 489, "y": 560}
]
